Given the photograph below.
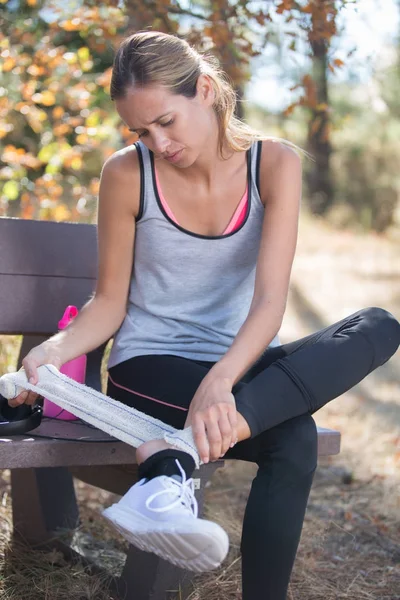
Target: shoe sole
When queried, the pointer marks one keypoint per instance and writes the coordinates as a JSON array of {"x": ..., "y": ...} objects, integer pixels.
[{"x": 170, "y": 543}]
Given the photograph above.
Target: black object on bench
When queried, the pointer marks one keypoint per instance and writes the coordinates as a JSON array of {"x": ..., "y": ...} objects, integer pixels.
[{"x": 45, "y": 266}]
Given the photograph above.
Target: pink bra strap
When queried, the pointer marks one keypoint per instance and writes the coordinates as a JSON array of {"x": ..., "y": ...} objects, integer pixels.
[{"x": 235, "y": 222}]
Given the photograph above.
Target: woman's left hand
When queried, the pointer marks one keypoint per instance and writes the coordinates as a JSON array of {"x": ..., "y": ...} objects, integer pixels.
[{"x": 213, "y": 418}]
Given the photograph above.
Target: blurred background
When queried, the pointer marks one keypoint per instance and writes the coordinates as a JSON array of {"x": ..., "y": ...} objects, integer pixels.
[{"x": 324, "y": 74}]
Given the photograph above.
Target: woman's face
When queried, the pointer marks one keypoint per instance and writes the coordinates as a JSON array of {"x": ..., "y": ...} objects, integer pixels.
[{"x": 170, "y": 124}]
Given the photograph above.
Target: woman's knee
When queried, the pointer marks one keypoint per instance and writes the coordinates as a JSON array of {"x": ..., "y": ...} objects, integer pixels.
[
  {"x": 383, "y": 331},
  {"x": 294, "y": 445}
]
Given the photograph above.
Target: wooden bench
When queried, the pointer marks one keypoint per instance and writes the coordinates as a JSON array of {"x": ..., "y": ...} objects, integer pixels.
[{"x": 45, "y": 266}]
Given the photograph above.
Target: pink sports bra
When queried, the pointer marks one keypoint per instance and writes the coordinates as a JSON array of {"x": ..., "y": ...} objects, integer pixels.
[{"x": 235, "y": 222}]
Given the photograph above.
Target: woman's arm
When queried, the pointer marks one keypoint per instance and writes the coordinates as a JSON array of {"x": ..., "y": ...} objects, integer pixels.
[
  {"x": 102, "y": 315},
  {"x": 280, "y": 183},
  {"x": 212, "y": 412}
]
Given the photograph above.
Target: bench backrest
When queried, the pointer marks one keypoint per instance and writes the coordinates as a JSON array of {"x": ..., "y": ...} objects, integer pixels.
[{"x": 44, "y": 267}]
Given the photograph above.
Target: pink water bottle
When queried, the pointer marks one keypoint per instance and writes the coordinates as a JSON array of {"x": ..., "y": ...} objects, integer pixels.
[{"x": 75, "y": 369}]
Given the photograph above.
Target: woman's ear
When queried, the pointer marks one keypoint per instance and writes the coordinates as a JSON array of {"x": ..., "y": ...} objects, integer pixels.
[{"x": 205, "y": 90}]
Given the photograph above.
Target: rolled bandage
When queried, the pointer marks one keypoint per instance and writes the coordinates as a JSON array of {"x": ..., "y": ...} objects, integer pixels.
[{"x": 111, "y": 416}]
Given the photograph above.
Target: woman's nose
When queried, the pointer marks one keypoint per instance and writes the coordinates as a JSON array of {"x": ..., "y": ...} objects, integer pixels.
[{"x": 160, "y": 144}]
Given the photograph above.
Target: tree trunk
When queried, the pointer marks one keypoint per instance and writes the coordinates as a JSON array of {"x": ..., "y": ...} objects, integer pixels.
[{"x": 320, "y": 188}]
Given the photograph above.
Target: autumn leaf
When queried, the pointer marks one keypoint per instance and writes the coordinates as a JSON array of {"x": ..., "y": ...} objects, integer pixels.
[
  {"x": 61, "y": 213},
  {"x": 288, "y": 111},
  {"x": 338, "y": 62},
  {"x": 46, "y": 98},
  {"x": 8, "y": 64}
]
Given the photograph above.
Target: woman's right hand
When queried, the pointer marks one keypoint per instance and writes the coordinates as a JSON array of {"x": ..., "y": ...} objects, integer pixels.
[{"x": 43, "y": 354}]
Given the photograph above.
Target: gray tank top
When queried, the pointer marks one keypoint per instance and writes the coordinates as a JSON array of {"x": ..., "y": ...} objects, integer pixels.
[{"x": 189, "y": 293}]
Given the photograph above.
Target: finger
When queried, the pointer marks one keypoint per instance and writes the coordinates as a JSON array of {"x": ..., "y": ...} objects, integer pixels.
[
  {"x": 13, "y": 402},
  {"x": 232, "y": 416},
  {"x": 31, "y": 398},
  {"x": 225, "y": 428},
  {"x": 200, "y": 438},
  {"x": 18, "y": 400},
  {"x": 213, "y": 436},
  {"x": 32, "y": 376}
]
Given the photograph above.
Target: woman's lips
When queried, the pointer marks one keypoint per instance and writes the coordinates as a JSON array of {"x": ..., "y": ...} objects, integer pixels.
[{"x": 174, "y": 157}]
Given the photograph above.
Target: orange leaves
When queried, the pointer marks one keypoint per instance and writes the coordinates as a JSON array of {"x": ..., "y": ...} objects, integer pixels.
[
  {"x": 27, "y": 208},
  {"x": 62, "y": 86},
  {"x": 61, "y": 213},
  {"x": 94, "y": 186},
  {"x": 58, "y": 112},
  {"x": 28, "y": 89},
  {"x": 18, "y": 156},
  {"x": 46, "y": 98},
  {"x": 105, "y": 78},
  {"x": 128, "y": 136},
  {"x": 72, "y": 24},
  {"x": 8, "y": 64},
  {"x": 36, "y": 71},
  {"x": 284, "y": 6},
  {"x": 289, "y": 109},
  {"x": 5, "y": 128},
  {"x": 337, "y": 62},
  {"x": 104, "y": 20},
  {"x": 62, "y": 130},
  {"x": 35, "y": 117}
]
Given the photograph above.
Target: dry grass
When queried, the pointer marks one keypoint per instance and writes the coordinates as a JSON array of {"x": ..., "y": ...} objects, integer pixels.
[{"x": 350, "y": 546}]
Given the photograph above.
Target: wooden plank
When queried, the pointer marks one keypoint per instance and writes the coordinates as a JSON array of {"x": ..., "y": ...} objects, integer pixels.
[
  {"x": 34, "y": 305},
  {"x": 113, "y": 478},
  {"x": 48, "y": 248},
  {"x": 93, "y": 448},
  {"x": 44, "y": 267},
  {"x": 42, "y": 501},
  {"x": 26, "y": 451},
  {"x": 328, "y": 441}
]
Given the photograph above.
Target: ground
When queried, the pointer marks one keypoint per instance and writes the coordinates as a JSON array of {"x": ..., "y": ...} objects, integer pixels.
[{"x": 350, "y": 545}]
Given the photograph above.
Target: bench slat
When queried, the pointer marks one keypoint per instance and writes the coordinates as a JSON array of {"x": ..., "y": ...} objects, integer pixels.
[
  {"x": 26, "y": 451},
  {"x": 34, "y": 305},
  {"x": 44, "y": 267},
  {"x": 48, "y": 248}
]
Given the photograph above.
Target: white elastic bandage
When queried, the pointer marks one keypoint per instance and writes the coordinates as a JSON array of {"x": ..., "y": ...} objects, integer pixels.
[{"x": 111, "y": 416}]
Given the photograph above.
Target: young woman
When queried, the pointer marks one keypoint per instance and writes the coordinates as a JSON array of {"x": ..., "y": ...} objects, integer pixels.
[{"x": 197, "y": 229}]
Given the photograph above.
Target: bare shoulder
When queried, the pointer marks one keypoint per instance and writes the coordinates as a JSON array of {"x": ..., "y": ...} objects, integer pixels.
[
  {"x": 277, "y": 161},
  {"x": 120, "y": 175}
]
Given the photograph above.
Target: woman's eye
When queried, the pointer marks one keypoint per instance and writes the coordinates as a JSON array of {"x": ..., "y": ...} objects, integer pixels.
[{"x": 162, "y": 125}]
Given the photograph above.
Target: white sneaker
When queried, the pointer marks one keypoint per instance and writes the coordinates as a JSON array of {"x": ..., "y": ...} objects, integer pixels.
[{"x": 160, "y": 516}]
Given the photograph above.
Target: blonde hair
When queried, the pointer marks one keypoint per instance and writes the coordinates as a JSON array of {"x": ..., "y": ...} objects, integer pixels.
[{"x": 152, "y": 57}]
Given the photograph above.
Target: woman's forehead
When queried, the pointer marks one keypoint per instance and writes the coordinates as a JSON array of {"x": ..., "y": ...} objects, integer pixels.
[{"x": 142, "y": 106}]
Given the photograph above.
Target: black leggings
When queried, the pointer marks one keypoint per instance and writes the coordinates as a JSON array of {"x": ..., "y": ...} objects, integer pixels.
[{"x": 277, "y": 397}]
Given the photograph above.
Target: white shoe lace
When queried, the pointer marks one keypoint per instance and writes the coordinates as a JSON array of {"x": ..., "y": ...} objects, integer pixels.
[{"x": 183, "y": 490}]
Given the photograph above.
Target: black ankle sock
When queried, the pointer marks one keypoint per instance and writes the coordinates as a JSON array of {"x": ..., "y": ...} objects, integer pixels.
[{"x": 163, "y": 463}]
